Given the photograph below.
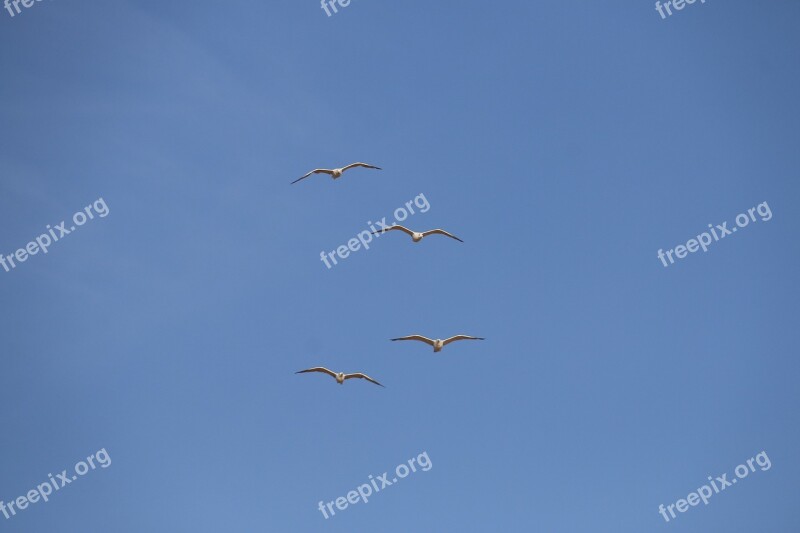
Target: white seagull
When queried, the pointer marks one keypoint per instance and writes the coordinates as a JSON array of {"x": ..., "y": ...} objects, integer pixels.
[
  {"x": 438, "y": 344},
  {"x": 336, "y": 172},
  {"x": 340, "y": 376},
  {"x": 417, "y": 236}
]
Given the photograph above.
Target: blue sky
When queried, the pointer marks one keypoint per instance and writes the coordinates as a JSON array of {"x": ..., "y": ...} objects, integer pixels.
[{"x": 566, "y": 143}]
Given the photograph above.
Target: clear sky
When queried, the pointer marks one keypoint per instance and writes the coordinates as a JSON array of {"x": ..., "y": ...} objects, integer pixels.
[{"x": 565, "y": 142}]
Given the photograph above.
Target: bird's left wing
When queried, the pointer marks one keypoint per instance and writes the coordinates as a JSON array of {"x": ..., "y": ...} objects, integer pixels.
[
  {"x": 362, "y": 376},
  {"x": 461, "y": 338},
  {"x": 353, "y": 165},
  {"x": 441, "y": 232}
]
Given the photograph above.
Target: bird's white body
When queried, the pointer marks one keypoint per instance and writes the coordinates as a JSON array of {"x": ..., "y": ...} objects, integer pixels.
[
  {"x": 336, "y": 173},
  {"x": 438, "y": 344},
  {"x": 416, "y": 236},
  {"x": 340, "y": 377}
]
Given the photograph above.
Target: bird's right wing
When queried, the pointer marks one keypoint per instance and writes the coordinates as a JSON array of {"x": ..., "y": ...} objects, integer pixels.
[
  {"x": 426, "y": 340},
  {"x": 315, "y": 171},
  {"x": 318, "y": 369},
  {"x": 394, "y": 226}
]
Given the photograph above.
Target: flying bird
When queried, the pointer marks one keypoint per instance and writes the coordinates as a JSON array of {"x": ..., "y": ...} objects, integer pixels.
[
  {"x": 339, "y": 376},
  {"x": 417, "y": 236},
  {"x": 336, "y": 173},
  {"x": 438, "y": 344}
]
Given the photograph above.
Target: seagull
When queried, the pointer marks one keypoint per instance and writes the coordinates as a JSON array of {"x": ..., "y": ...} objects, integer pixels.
[
  {"x": 417, "y": 236},
  {"x": 438, "y": 344},
  {"x": 340, "y": 376},
  {"x": 336, "y": 172}
]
